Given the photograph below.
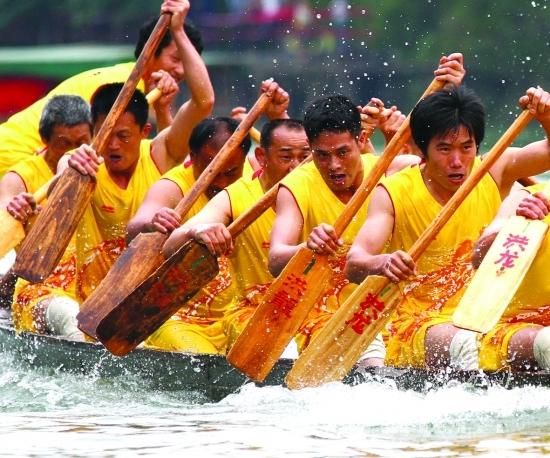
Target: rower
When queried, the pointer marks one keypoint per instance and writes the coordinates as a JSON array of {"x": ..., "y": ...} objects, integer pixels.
[
  {"x": 129, "y": 166},
  {"x": 19, "y": 135},
  {"x": 65, "y": 124},
  {"x": 448, "y": 127},
  {"x": 283, "y": 146},
  {"x": 312, "y": 197},
  {"x": 197, "y": 326}
]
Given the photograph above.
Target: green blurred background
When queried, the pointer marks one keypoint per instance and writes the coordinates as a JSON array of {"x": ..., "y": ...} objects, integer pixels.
[{"x": 360, "y": 48}]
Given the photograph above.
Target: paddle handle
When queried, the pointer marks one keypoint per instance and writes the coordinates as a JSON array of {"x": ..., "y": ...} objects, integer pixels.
[
  {"x": 255, "y": 135},
  {"x": 249, "y": 216},
  {"x": 209, "y": 173},
  {"x": 100, "y": 140},
  {"x": 473, "y": 179},
  {"x": 390, "y": 152},
  {"x": 42, "y": 192},
  {"x": 153, "y": 95}
]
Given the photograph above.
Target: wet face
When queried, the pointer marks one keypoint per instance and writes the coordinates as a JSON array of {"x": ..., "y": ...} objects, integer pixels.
[
  {"x": 122, "y": 151},
  {"x": 337, "y": 156},
  {"x": 65, "y": 138},
  {"x": 169, "y": 61},
  {"x": 231, "y": 171},
  {"x": 288, "y": 148},
  {"x": 450, "y": 161}
]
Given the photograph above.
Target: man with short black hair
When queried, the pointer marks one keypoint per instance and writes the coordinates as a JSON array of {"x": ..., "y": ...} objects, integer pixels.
[{"x": 448, "y": 127}]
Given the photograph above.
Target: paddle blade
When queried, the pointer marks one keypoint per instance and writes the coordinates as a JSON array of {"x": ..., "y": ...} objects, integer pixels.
[
  {"x": 142, "y": 257},
  {"x": 500, "y": 274},
  {"x": 160, "y": 296},
  {"x": 332, "y": 354},
  {"x": 284, "y": 308},
  {"x": 49, "y": 236},
  {"x": 11, "y": 233}
]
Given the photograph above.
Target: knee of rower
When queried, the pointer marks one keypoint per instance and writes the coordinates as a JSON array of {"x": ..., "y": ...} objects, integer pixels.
[
  {"x": 464, "y": 350},
  {"x": 60, "y": 317},
  {"x": 541, "y": 348}
]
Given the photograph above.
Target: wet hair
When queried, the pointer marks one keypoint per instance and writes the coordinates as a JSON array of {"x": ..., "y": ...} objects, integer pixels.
[
  {"x": 445, "y": 111},
  {"x": 105, "y": 96},
  {"x": 64, "y": 110},
  {"x": 334, "y": 113},
  {"x": 269, "y": 127},
  {"x": 205, "y": 130},
  {"x": 190, "y": 30}
]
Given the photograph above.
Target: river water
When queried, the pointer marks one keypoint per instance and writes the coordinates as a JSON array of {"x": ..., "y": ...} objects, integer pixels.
[{"x": 52, "y": 413}]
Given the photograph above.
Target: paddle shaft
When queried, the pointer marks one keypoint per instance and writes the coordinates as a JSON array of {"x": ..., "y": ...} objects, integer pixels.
[{"x": 315, "y": 356}]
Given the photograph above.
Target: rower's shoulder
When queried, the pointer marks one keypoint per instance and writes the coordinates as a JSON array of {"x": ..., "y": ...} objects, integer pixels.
[{"x": 403, "y": 161}]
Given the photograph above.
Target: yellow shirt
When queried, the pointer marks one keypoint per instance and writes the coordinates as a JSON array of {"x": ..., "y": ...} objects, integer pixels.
[
  {"x": 101, "y": 232},
  {"x": 210, "y": 303},
  {"x": 249, "y": 259},
  {"x": 318, "y": 204},
  {"x": 444, "y": 268},
  {"x": 19, "y": 137},
  {"x": 34, "y": 171}
]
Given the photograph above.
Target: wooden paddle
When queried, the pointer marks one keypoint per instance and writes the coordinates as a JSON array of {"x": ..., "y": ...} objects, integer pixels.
[
  {"x": 176, "y": 281},
  {"x": 144, "y": 254},
  {"x": 334, "y": 351},
  {"x": 500, "y": 274},
  {"x": 300, "y": 285},
  {"x": 48, "y": 238}
]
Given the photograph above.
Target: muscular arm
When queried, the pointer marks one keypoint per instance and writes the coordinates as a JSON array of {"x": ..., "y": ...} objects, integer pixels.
[
  {"x": 532, "y": 159},
  {"x": 170, "y": 147},
  {"x": 364, "y": 255},
  {"x": 217, "y": 211},
  {"x": 164, "y": 193},
  {"x": 286, "y": 231}
]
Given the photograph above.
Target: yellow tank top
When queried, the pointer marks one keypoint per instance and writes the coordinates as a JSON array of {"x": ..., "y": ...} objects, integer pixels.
[
  {"x": 210, "y": 303},
  {"x": 531, "y": 303},
  {"x": 249, "y": 259},
  {"x": 19, "y": 137},
  {"x": 100, "y": 234},
  {"x": 445, "y": 267},
  {"x": 318, "y": 204},
  {"x": 34, "y": 172}
]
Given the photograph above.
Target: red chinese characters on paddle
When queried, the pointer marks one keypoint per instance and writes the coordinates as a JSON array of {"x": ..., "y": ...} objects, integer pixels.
[
  {"x": 368, "y": 311},
  {"x": 285, "y": 300},
  {"x": 508, "y": 256}
]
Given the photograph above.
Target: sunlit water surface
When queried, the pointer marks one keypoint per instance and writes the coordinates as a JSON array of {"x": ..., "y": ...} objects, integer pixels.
[{"x": 60, "y": 414}]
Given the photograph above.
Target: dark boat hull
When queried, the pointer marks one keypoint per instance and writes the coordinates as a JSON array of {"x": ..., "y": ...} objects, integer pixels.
[{"x": 211, "y": 375}]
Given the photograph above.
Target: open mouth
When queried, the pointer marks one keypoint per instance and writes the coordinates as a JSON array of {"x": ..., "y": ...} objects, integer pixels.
[
  {"x": 338, "y": 178},
  {"x": 115, "y": 157},
  {"x": 456, "y": 177}
]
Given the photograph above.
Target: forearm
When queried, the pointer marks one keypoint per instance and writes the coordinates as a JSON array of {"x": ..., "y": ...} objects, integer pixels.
[
  {"x": 482, "y": 247},
  {"x": 279, "y": 255},
  {"x": 164, "y": 118},
  {"x": 196, "y": 74},
  {"x": 177, "y": 238},
  {"x": 360, "y": 264}
]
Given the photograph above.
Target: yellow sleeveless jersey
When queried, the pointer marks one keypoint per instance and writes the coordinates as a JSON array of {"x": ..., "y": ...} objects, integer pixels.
[
  {"x": 19, "y": 137},
  {"x": 250, "y": 256},
  {"x": 34, "y": 172},
  {"x": 444, "y": 268},
  {"x": 318, "y": 204},
  {"x": 529, "y": 307},
  {"x": 100, "y": 235}
]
